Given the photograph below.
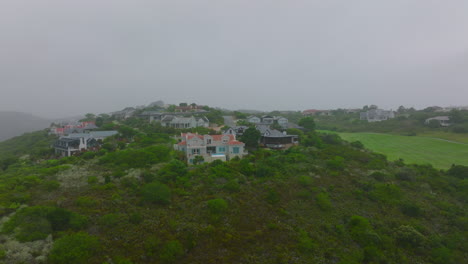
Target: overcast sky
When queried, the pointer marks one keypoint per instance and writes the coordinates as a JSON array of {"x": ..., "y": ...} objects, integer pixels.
[{"x": 61, "y": 58}]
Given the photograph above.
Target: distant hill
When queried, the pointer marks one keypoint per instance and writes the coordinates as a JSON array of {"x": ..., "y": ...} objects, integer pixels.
[{"x": 16, "y": 123}]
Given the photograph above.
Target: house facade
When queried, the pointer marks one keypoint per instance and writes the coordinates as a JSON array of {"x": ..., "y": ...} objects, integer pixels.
[
  {"x": 269, "y": 120},
  {"x": 210, "y": 147},
  {"x": 444, "y": 121},
  {"x": 72, "y": 144},
  {"x": 377, "y": 115},
  {"x": 237, "y": 130},
  {"x": 254, "y": 119},
  {"x": 275, "y": 139},
  {"x": 184, "y": 122}
]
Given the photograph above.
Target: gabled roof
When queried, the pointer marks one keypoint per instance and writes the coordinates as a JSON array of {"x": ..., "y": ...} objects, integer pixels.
[{"x": 235, "y": 142}]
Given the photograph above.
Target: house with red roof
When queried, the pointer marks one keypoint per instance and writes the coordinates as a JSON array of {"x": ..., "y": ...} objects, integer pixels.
[{"x": 210, "y": 147}]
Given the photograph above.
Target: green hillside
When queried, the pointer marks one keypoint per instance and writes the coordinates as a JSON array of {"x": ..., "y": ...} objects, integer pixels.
[
  {"x": 136, "y": 201},
  {"x": 414, "y": 149}
]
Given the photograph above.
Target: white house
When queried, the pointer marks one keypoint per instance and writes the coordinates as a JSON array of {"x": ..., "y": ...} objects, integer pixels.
[
  {"x": 184, "y": 122},
  {"x": 376, "y": 115},
  {"x": 443, "y": 120},
  {"x": 254, "y": 119}
]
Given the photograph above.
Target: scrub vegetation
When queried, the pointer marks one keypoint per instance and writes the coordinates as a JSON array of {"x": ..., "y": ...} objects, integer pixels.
[{"x": 136, "y": 201}]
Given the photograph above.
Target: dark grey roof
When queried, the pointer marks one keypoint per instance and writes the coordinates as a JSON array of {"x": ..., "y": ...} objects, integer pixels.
[{"x": 168, "y": 118}]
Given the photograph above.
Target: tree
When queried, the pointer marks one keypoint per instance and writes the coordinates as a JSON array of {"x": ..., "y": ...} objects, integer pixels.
[
  {"x": 251, "y": 137},
  {"x": 401, "y": 109},
  {"x": 198, "y": 160},
  {"x": 171, "y": 108},
  {"x": 307, "y": 123},
  {"x": 456, "y": 116},
  {"x": 127, "y": 132},
  {"x": 99, "y": 121},
  {"x": 88, "y": 117}
]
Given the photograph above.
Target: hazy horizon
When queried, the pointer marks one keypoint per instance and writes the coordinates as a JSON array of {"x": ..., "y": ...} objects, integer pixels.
[{"x": 64, "y": 59}]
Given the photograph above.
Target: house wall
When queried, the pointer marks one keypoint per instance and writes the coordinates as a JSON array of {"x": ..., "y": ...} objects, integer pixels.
[{"x": 254, "y": 120}]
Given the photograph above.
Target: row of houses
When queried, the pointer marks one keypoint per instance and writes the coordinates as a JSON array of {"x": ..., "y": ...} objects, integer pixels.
[
  {"x": 177, "y": 120},
  {"x": 226, "y": 146},
  {"x": 74, "y": 127},
  {"x": 268, "y": 120}
]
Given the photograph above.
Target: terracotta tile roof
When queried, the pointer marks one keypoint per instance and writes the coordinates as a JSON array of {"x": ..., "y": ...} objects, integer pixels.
[
  {"x": 183, "y": 143},
  {"x": 235, "y": 142},
  {"x": 220, "y": 137}
]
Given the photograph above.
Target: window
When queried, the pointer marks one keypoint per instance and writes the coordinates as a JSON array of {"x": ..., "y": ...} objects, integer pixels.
[
  {"x": 222, "y": 149},
  {"x": 208, "y": 141},
  {"x": 195, "y": 151},
  {"x": 235, "y": 150}
]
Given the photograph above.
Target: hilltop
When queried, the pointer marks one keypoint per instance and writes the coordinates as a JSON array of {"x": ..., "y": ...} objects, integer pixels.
[{"x": 137, "y": 201}]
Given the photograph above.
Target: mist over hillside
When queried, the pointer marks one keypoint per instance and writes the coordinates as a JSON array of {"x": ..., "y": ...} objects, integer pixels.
[{"x": 16, "y": 123}]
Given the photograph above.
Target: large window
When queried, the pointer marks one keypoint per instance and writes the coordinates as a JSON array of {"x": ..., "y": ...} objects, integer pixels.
[
  {"x": 195, "y": 151},
  {"x": 235, "y": 150},
  {"x": 222, "y": 149}
]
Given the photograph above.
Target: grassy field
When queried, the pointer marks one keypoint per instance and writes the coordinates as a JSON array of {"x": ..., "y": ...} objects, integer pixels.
[
  {"x": 462, "y": 138},
  {"x": 414, "y": 149}
]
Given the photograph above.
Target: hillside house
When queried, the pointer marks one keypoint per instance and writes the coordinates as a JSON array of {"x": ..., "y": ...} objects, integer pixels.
[
  {"x": 184, "y": 122},
  {"x": 254, "y": 119},
  {"x": 443, "y": 121},
  {"x": 275, "y": 139},
  {"x": 237, "y": 130},
  {"x": 377, "y": 115},
  {"x": 210, "y": 147},
  {"x": 72, "y": 144}
]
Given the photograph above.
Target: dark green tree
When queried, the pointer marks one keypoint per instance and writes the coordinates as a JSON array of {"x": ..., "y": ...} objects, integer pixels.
[
  {"x": 307, "y": 123},
  {"x": 251, "y": 137}
]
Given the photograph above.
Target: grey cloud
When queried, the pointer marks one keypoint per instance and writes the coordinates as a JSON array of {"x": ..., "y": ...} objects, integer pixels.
[{"x": 71, "y": 57}]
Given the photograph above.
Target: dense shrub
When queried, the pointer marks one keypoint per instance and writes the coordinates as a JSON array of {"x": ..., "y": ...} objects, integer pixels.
[
  {"x": 171, "y": 251},
  {"x": 458, "y": 171},
  {"x": 217, "y": 206},
  {"x": 337, "y": 163},
  {"x": 305, "y": 243},
  {"x": 76, "y": 248},
  {"x": 323, "y": 201},
  {"x": 171, "y": 171},
  {"x": 362, "y": 232},
  {"x": 411, "y": 209},
  {"x": 156, "y": 192},
  {"x": 37, "y": 222},
  {"x": 109, "y": 220},
  {"x": 386, "y": 193},
  {"x": 409, "y": 237},
  {"x": 133, "y": 158}
]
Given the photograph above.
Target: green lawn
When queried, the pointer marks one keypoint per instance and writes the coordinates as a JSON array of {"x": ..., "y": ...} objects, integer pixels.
[{"x": 414, "y": 149}]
